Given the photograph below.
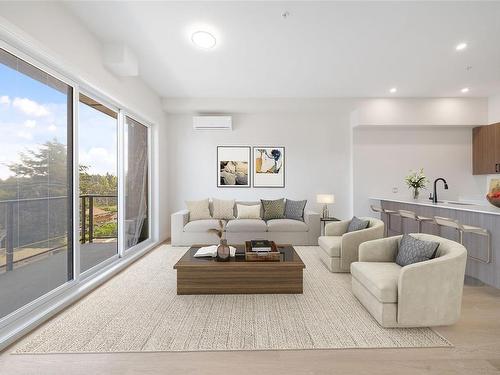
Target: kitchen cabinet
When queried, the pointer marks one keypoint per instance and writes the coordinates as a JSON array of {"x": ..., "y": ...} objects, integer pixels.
[{"x": 486, "y": 149}]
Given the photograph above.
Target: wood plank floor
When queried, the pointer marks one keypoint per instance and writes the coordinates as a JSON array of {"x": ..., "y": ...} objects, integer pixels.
[{"x": 476, "y": 338}]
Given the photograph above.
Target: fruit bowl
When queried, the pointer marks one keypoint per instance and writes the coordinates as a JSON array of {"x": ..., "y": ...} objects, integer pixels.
[{"x": 494, "y": 199}]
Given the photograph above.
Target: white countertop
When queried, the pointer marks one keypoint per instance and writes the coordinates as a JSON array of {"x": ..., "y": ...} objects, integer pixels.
[{"x": 452, "y": 205}]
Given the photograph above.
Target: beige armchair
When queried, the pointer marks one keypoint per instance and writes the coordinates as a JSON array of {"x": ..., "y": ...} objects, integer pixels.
[
  {"x": 338, "y": 249},
  {"x": 422, "y": 294}
]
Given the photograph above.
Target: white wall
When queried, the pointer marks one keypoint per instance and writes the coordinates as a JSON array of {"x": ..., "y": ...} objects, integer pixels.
[
  {"x": 317, "y": 136},
  {"x": 494, "y": 109},
  {"x": 52, "y": 29},
  {"x": 317, "y": 154},
  {"x": 422, "y": 112},
  {"x": 383, "y": 156}
]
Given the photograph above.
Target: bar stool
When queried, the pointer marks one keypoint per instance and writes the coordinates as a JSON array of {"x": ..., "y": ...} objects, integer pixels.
[
  {"x": 388, "y": 214},
  {"x": 405, "y": 214},
  {"x": 461, "y": 229}
]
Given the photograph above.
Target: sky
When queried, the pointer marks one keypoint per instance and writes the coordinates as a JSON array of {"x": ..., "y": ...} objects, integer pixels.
[{"x": 32, "y": 113}]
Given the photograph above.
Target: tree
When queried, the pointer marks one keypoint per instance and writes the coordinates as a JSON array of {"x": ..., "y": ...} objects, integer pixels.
[{"x": 40, "y": 173}]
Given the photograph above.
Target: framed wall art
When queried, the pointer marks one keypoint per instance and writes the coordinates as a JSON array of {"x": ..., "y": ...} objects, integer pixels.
[
  {"x": 233, "y": 166},
  {"x": 268, "y": 167}
]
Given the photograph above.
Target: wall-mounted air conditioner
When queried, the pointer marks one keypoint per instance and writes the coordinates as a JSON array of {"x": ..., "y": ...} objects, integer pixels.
[{"x": 212, "y": 123}]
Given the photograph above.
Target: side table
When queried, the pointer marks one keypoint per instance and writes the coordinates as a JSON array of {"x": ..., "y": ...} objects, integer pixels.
[{"x": 325, "y": 220}]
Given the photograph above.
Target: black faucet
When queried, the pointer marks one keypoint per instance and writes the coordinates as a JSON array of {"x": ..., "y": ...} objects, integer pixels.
[{"x": 434, "y": 197}]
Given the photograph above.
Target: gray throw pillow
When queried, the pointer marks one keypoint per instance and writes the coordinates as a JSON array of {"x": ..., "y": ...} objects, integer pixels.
[
  {"x": 274, "y": 209},
  {"x": 357, "y": 224},
  {"x": 412, "y": 250},
  {"x": 295, "y": 209}
]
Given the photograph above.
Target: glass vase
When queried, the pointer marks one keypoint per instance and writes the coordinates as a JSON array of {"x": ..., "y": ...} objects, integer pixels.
[
  {"x": 416, "y": 193},
  {"x": 223, "y": 251}
]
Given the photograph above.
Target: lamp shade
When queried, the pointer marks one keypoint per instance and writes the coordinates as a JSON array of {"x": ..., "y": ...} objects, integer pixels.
[{"x": 325, "y": 198}]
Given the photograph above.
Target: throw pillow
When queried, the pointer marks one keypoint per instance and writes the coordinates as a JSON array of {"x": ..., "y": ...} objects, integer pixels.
[
  {"x": 248, "y": 212},
  {"x": 223, "y": 209},
  {"x": 198, "y": 210},
  {"x": 412, "y": 250},
  {"x": 357, "y": 224},
  {"x": 295, "y": 209},
  {"x": 274, "y": 209}
]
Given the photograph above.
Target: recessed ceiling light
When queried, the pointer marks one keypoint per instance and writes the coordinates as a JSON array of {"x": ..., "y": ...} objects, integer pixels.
[
  {"x": 461, "y": 46},
  {"x": 465, "y": 90},
  {"x": 203, "y": 39},
  {"x": 393, "y": 90}
]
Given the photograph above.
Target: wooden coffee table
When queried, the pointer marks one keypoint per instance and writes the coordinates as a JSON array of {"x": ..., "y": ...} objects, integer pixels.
[{"x": 237, "y": 276}]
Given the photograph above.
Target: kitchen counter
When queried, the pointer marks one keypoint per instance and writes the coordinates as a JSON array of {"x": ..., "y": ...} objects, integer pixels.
[
  {"x": 483, "y": 216},
  {"x": 452, "y": 205}
]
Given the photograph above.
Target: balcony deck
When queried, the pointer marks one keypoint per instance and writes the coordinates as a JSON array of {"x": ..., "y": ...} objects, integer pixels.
[{"x": 39, "y": 275}]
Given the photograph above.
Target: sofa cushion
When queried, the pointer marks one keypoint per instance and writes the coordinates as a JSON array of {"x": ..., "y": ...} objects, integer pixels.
[
  {"x": 274, "y": 209},
  {"x": 412, "y": 250},
  {"x": 198, "y": 210},
  {"x": 380, "y": 278},
  {"x": 246, "y": 225},
  {"x": 202, "y": 225},
  {"x": 248, "y": 203},
  {"x": 357, "y": 224},
  {"x": 331, "y": 245},
  {"x": 295, "y": 209},
  {"x": 286, "y": 225},
  {"x": 223, "y": 209},
  {"x": 248, "y": 212}
]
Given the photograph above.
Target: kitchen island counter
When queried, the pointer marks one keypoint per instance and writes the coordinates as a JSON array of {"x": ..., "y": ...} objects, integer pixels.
[
  {"x": 451, "y": 205},
  {"x": 483, "y": 216}
]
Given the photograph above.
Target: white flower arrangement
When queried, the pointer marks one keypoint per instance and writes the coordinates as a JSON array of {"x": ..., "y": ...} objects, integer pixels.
[{"x": 416, "y": 180}]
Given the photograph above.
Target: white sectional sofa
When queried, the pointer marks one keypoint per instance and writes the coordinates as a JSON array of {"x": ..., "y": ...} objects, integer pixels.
[{"x": 237, "y": 231}]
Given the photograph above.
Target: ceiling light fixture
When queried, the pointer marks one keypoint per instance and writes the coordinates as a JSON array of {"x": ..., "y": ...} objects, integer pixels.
[
  {"x": 203, "y": 39},
  {"x": 465, "y": 90},
  {"x": 461, "y": 46},
  {"x": 393, "y": 90}
]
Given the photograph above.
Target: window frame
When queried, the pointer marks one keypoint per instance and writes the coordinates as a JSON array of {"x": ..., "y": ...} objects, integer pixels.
[
  {"x": 150, "y": 240},
  {"x": 14, "y": 315},
  {"x": 95, "y": 268}
]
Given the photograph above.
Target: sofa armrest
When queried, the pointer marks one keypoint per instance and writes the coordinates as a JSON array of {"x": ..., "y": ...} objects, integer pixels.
[
  {"x": 311, "y": 218},
  {"x": 349, "y": 249},
  {"x": 337, "y": 228},
  {"x": 381, "y": 250},
  {"x": 430, "y": 292},
  {"x": 178, "y": 221}
]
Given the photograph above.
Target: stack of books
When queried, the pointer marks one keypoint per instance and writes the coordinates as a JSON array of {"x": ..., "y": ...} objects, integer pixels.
[
  {"x": 261, "y": 250},
  {"x": 261, "y": 245}
]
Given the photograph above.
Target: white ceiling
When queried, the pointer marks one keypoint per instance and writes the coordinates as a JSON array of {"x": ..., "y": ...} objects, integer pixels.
[{"x": 323, "y": 49}]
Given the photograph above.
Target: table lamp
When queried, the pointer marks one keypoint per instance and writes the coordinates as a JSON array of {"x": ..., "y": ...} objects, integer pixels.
[{"x": 325, "y": 199}]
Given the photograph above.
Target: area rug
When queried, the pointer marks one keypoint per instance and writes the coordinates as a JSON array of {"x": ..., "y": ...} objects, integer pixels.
[{"x": 139, "y": 311}]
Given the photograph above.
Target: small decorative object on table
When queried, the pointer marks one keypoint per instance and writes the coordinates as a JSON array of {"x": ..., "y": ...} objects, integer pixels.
[
  {"x": 416, "y": 181},
  {"x": 223, "y": 250},
  {"x": 493, "y": 195}
]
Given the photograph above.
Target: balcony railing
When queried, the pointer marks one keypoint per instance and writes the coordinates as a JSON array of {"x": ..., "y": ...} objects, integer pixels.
[
  {"x": 23, "y": 211},
  {"x": 88, "y": 221}
]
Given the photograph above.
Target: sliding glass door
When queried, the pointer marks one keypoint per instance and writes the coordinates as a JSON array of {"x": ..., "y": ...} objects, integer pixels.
[
  {"x": 36, "y": 206},
  {"x": 39, "y": 255},
  {"x": 136, "y": 182},
  {"x": 98, "y": 173}
]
